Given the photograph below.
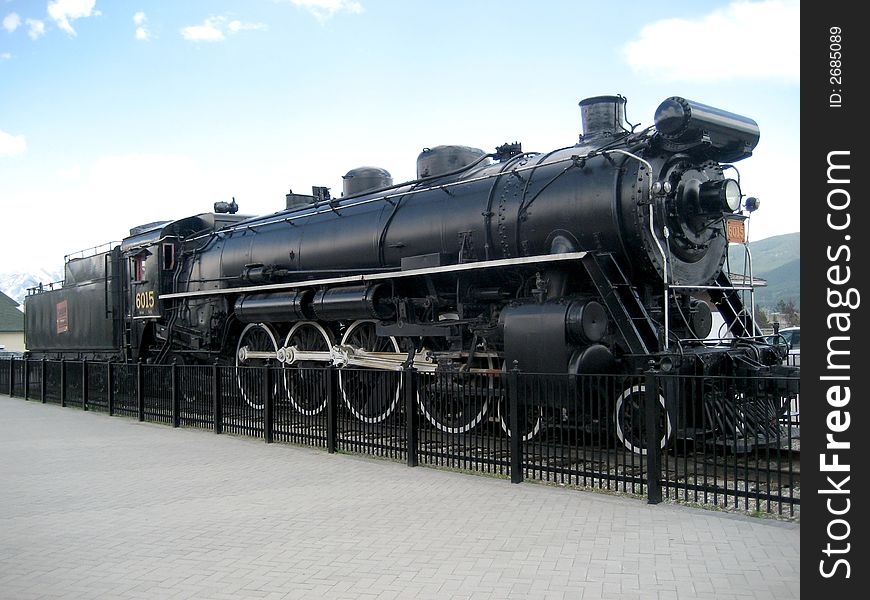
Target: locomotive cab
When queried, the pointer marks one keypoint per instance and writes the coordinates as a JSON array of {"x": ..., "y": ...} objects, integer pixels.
[{"x": 154, "y": 256}]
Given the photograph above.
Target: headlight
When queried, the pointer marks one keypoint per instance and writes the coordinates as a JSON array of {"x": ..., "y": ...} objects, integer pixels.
[
  {"x": 731, "y": 194},
  {"x": 718, "y": 196}
]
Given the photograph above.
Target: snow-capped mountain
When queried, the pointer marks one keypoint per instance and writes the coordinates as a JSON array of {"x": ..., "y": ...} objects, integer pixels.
[{"x": 16, "y": 284}]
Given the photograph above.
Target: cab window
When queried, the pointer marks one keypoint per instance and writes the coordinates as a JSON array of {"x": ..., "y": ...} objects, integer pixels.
[
  {"x": 138, "y": 271},
  {"x": 168, "y": 257}
]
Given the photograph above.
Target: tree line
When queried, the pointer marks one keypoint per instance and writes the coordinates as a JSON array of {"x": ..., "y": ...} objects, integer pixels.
[{"x": 784, "y": 312}]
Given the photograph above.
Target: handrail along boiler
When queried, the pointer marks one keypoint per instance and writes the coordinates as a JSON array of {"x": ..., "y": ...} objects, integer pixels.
[{"x": 604, "y": 257}]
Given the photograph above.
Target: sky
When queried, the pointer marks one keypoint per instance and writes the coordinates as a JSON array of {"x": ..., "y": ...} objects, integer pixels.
[{"x": 118, "y": 113}]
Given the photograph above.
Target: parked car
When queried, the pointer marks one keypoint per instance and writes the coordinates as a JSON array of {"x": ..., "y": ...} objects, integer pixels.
[{"x": 791, "y": 336}]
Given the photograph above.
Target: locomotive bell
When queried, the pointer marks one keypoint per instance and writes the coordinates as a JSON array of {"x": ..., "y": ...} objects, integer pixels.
[{"x": 602, "y": 115}]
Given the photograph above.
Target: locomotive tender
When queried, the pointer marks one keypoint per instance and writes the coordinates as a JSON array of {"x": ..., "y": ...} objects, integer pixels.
[{"x": 602, "y": 257}]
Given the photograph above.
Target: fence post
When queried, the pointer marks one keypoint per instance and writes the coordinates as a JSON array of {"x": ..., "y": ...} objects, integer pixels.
[
  {"x": 11, "y": 376},
  {"x": 42, "y": 384},
  {"x": 63, "y": 382},
  {"x": 652, "y": 408},
  {"x": 331, "y": 408},
  {"x": 84, "y": 384},
  {"x": 140, "y": 391},
  {"x": 217, "y": 408},
  {"x": 110, "y": 392},
  {"x": 26, "y": 379},
  {"x": 411, "y": 382},
  {"x": 516, "y": 447},
  {"x": 268, "y": 407},
  {"x": 173, "y": 395}
]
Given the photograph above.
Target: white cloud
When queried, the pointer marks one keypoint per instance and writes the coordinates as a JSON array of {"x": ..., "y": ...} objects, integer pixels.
[
  {"x": 5, "y": 56},
  {"x": 214, "y": 29},
  {"x": 155, "y": 187},
  {"x": 179, "y": 181},
  {"x": 183, "y": 185},
  {"x": 209, "y": 31},
  {"x": 324, "y": 9},
  {"x": 64, "y": 11},
  {"x": 235, "y": 26},
  {"x": 35, "y": 28},
  {"x": 142, "y": 32},
  {"x": 73, "y": 172},
  {"x": 753, "y": 40},
  {"x": 11, "y": 145},
  {"x": 11, "y": 22}
]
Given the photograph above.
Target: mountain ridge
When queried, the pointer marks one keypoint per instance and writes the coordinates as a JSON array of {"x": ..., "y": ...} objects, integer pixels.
[
  {"x": 777, "y": 260},
  {"x": 16, "y": 283}
]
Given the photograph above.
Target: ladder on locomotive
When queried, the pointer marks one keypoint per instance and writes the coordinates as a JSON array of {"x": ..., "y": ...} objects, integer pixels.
[
  {"x": 622, "y": 302},
  {"x": 631, "y": 317},
  {"x": 726, "y": 296}
]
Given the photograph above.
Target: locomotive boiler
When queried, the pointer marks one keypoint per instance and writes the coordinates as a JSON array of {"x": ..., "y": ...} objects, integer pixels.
[{"x": 607, "y": 256}]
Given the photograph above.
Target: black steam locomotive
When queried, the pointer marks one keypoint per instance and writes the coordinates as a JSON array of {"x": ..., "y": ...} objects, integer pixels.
[{"x": 601, "y": 257}]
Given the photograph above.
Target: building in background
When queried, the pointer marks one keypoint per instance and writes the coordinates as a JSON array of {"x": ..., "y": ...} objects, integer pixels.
[{"x": 11, "y": 325}]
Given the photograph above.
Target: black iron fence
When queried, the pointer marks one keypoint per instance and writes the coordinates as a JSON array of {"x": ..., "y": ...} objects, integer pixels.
[{"x": 730, "y": 442}]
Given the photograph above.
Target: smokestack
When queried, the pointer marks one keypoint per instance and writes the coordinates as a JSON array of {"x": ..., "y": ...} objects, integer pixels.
[{"x": 602, "y": 115}]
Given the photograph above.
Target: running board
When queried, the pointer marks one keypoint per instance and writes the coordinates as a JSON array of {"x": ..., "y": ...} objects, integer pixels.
[{"x": 471, "y": 266}]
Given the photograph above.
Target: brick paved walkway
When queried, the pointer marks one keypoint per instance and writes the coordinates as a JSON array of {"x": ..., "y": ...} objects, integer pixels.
[{"x": 93, "y": 506}]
